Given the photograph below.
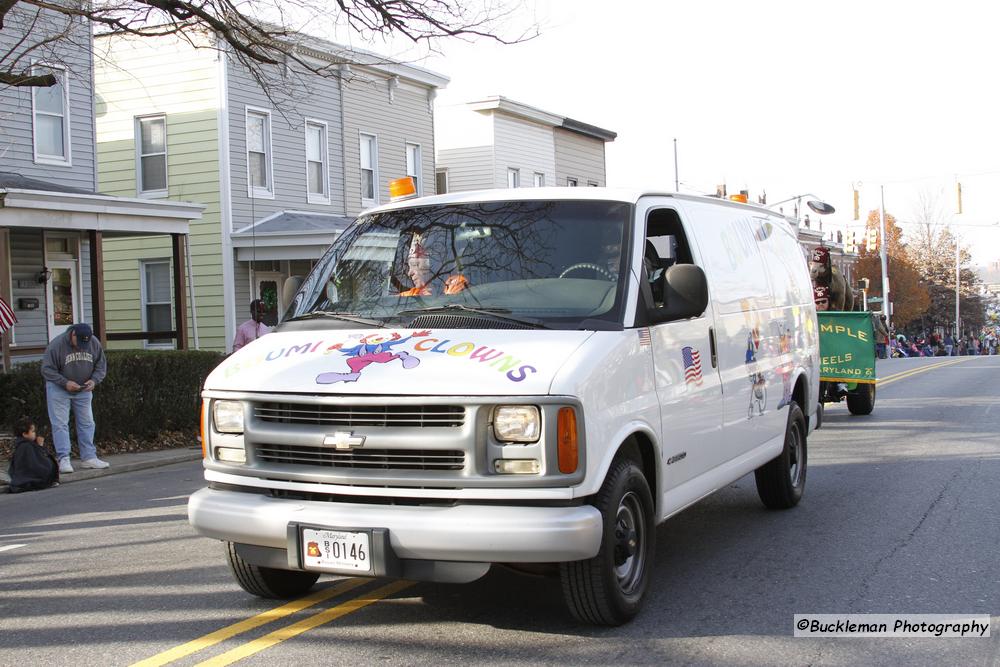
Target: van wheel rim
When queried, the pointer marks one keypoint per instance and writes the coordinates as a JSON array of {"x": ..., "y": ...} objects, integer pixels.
[
  {"x": 630, "y": 540},
  {"x": 796, "y": 457}
]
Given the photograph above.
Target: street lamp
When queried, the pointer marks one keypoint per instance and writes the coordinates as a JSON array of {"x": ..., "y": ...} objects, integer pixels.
[{"x": 815, "y": 204}]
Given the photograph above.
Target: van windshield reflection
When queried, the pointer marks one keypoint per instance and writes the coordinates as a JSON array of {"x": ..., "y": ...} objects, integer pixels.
[{"x": 516, "y": 264}]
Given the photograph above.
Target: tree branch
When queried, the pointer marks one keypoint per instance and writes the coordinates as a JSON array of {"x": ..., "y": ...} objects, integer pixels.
[
  {"x": 5, "y": 6},
  {"x": 252, "y": 40},
  {"x": 28, "y": 80}
]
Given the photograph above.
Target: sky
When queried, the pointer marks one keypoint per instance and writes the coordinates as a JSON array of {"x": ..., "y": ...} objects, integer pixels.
[{"x": 785, "y": 98}]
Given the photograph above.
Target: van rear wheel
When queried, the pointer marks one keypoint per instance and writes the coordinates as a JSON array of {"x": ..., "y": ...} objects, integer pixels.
[
  {"x": 268, "y": 582},
  {"x": 609, "y": 588},
  {"x": 780, "y": 482}
]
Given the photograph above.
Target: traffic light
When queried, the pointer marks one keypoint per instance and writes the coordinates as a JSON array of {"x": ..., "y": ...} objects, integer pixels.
[
  {"x": 852, "y": 242},
  {"x": 857, "y": 202},
  {"x": 872, "y": 243}
]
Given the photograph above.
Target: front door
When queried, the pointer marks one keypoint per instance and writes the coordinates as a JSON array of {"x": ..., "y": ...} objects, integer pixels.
[
  {"x": 267, "y": 288},
  {"x": 63, "y": 292},
  {"x": 687, "y": 383}
]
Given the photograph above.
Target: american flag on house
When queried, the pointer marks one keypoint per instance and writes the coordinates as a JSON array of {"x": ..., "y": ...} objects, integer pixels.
[
  {"x": 7, "y": 317},
  {"x": 692, "y": 366}
]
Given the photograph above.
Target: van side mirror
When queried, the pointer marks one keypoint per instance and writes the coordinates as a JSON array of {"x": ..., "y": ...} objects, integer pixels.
[{"x": 685, "y": 294}]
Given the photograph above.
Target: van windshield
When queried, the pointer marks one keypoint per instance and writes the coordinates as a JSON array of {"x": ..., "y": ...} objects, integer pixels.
[{"x": 515, "y": 264}]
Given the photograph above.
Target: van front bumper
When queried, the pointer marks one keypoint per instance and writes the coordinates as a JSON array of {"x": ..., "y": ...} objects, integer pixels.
[{"x": 464, "y": 533}]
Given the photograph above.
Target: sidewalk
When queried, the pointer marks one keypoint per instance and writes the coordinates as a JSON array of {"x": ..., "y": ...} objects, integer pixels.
[{"x": 119, "y": 463}]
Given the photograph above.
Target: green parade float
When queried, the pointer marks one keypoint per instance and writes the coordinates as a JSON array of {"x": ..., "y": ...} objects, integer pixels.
[{"x": 847, "y": 359}]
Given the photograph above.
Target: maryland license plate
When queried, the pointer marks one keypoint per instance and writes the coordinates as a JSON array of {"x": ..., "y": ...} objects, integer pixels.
[{"x": 336, "y": 550}]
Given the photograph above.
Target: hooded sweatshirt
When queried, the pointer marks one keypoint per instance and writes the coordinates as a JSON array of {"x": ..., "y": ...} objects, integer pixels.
[{"x": 62, "y": 363}]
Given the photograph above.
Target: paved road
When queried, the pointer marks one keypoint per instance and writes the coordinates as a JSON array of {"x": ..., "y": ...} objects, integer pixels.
[{"x": 900, "y": 515}]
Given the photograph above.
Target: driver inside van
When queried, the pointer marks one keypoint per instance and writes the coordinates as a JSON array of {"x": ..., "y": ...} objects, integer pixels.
[{"x": 418, "y": 269}]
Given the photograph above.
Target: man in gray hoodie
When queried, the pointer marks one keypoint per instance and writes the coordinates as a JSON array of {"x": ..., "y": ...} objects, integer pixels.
[{"x": 73, "y": 365}]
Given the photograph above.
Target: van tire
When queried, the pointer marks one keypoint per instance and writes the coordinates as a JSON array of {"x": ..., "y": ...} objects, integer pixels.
[
  {"x": 609, "y": 588},
  {"x": 268, "y": 582},
  {"x": 780, "y": 482},
  {"x": 861, "y": 401}
]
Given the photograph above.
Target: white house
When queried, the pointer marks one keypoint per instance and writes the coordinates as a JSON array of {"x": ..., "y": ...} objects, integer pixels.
[{"x": 499, "y": 143}]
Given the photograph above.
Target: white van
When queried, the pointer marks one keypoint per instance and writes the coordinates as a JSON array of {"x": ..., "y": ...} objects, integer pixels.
[{"x": 534, "y": 378}]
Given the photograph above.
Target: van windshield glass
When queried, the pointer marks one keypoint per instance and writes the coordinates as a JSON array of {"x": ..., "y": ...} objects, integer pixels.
[{"x": 550, "y": 263}]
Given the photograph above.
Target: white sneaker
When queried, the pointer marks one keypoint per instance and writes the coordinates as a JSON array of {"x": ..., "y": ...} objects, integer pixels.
[
  {"x": 95, "y": 463},
  {"x": 64, "y": 465}
]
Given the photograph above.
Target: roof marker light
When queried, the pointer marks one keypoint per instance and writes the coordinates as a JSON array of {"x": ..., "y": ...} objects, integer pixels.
[{"x": 402, "y": 188}]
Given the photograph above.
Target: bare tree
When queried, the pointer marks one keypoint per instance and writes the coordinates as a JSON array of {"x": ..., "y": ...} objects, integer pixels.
[
  {"x": 933, "y": 249},
  {"x": 258, "y": 33}
]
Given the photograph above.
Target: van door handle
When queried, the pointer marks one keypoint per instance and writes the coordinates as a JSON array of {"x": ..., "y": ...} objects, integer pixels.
[{"x": 711, "y": 347}]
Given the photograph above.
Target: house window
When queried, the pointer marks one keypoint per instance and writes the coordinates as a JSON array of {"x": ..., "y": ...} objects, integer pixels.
[
  {"x": 369, "y": 169},
  {"x": 413, "y": 165},
  {"x": 572, "y": 182},
  {"x": 51, "y": 118},
  {"x": 441, "y": 181},
  {"x": 151, "y": 155},
  {"x": 593, "y": 184},
  {"x": 317, "y": 163},
  {"x": 539, "y": 180},
  {"x": 259, "y": 154},
  {"x": 513, "y": 178},
  {"x": 156, "y": 300}
]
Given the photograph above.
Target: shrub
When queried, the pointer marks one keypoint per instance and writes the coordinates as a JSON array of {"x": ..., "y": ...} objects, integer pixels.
[{"x": 145, "y": 393}]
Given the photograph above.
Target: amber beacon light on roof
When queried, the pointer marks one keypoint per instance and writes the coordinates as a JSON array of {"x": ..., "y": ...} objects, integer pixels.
[{"x": 402, "y": 188}]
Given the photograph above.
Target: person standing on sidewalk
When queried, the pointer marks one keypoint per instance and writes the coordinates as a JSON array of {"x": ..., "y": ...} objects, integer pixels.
[
  {"x": 253, "y": 328},
  {"x": 73, "y": 365}
]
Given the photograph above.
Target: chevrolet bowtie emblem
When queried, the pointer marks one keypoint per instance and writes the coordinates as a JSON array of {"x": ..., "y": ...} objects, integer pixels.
[{"x": 344, "y": 440}]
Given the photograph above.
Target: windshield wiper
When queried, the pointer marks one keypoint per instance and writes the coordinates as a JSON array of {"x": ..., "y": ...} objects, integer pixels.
[
  {"x": 337, "y": 315},
  {"x": 498, "y": 313}
]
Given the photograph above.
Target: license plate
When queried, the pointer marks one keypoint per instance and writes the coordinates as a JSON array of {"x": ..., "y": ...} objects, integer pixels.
[{"x": 339, "y": 550}]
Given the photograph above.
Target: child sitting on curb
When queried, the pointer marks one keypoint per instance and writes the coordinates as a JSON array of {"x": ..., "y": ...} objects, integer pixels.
[{"x": 32, "y": 466}]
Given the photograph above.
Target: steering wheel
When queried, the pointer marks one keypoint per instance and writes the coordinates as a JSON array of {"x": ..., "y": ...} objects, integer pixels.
[{"x": 601, "y": 271}]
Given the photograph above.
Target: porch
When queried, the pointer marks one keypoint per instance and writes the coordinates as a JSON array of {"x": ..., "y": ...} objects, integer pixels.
[{"x": 51, "y": 260}]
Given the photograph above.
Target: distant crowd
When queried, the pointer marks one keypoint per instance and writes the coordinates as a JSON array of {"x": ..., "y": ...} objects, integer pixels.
[{"x": 930, "y": 344}]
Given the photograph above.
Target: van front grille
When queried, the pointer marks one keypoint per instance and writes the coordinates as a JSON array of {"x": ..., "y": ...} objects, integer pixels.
[
  {"x": 371, "y": 459},
  {"x": 410, "y": 416}
]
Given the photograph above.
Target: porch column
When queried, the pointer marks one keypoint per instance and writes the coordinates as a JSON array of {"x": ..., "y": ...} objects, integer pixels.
[
  {"x": 6, "y": 292},
  {"x": 97, "y": 285},
  {"x": 180, "y": 290}
]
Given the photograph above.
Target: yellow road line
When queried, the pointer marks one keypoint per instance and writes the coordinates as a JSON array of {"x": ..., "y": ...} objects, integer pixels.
[
  {"x": 922, "y": 369},
  {"x": 295, "y": 629},
  {"x": 263, "y": 618}
]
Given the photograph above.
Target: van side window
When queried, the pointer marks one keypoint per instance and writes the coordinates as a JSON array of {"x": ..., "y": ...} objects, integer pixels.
[{"x": 665, "y": 245}]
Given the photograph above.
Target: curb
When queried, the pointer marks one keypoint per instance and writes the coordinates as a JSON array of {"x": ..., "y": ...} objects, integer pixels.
[{"x": 168, "y": 458}]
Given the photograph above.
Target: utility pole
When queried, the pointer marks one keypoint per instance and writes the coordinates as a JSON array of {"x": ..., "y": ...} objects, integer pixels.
[
  {"x": 958, "y": 269},
  {"x": 885, "y": 260},
  {"x": 677, "y": 178}
]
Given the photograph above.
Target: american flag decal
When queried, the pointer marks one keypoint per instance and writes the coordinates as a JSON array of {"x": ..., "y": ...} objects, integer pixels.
[
  {"x": 644, "y": 337},
  {"x": 692, "y": 366}
]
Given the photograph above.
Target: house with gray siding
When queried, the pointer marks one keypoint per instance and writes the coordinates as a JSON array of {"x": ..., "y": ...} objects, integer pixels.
[
  {"x": 52, "y": 219},
  {"x": 500, "y": 143},
  {"x": 297, "y": 156}
]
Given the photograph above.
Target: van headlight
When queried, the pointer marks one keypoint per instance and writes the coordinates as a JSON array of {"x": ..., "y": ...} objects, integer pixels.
[
  {"x": 516, "y": 423},
  {"x": 228, "y": 416}
]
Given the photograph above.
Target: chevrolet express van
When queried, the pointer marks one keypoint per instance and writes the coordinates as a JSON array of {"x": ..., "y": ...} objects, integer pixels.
[{"x": 534, "y": 378}]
